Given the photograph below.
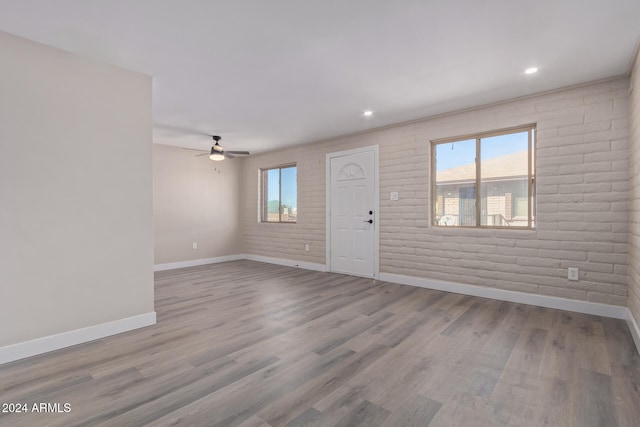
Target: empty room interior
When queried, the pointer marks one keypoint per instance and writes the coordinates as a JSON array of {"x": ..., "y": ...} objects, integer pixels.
[{"x": 292, "y": 213}]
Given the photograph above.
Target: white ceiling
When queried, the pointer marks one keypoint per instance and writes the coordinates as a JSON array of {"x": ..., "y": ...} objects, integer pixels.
[{"x": 267, "y": 74}]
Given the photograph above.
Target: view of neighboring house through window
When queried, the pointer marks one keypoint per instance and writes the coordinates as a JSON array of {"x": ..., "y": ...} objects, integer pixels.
[
  {"x": 485, "y": 180},
  {"x": 279, "y": 194}
]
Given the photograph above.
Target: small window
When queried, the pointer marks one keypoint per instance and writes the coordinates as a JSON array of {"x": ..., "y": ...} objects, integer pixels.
[
  {"x": 279, "y": 194},
  {"x": 485, "y": 180}
]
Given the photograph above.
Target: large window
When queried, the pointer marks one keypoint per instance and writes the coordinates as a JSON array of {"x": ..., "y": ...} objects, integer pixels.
[
  {"x": 279, "y": 194},
  {"x": 485, "y": 180}
]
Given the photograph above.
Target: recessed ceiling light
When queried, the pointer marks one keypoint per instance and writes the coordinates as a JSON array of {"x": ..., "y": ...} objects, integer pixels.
[
  {"x": 368, "y": 113},
  {"x": 531, "y": 70}
]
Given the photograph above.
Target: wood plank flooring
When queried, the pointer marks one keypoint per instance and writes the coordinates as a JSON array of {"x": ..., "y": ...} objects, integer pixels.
[{"x": 251, "y": 344}]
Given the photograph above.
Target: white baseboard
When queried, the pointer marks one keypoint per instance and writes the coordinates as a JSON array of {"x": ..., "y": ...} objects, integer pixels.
[
  {"x": 270, "y": 260},
  {"x": 25, "y": 349},
  {"x": 289, "y": 263},
  {"x": 634, "y": 328},
  {"x": 196, "y": 262},
  {"x": 605, "y": 310},
  {"x": 586, "y": 307}
]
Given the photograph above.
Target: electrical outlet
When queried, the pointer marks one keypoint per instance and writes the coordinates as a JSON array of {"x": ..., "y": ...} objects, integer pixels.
[
  {"x": 393, "y": 195},
  {"x": 306, "y": 247},
  {"x": 195, "y": 245},
  {"x": 573, "y": 273}
]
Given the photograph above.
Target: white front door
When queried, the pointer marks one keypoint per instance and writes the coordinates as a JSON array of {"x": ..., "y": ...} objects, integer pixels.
[{"x": 352, "y": 212}]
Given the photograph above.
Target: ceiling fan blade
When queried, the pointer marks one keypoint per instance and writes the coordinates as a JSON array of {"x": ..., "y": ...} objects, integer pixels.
[
  {"x": 237, "y": 153},
  {"x": 203, "y": 154},
  {"x": 229, "y": 156},
  {"x": 192, "y": 149}
]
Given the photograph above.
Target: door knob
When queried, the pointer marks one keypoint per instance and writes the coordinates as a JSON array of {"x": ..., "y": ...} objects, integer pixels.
[{"x": 369, "y": 221}]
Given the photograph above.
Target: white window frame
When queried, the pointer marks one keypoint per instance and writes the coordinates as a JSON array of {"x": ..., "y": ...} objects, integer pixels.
[
  {"x": 531, "y": 129},
  {"x": 264, "y": 193}
]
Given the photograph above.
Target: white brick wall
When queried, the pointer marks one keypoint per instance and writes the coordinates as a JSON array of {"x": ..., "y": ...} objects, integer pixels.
[
  {"x": 634, "y": 192},
  {"x": 582, "y": 213}
]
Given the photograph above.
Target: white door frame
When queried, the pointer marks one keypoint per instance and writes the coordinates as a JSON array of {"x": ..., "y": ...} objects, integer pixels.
[{"x": 376, "y": 205}]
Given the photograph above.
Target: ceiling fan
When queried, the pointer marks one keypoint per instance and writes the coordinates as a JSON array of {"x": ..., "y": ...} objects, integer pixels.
[{"x": 218, "y": 153}]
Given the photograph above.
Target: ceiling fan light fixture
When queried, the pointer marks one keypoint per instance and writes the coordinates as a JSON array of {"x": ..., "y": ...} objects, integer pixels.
[
  {"x": 216, "y": 155},
  {"x": 217, "y": 152}
]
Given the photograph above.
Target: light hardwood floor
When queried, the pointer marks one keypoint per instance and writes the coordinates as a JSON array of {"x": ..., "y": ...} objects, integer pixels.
[{"x": 252, "y": 344}]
